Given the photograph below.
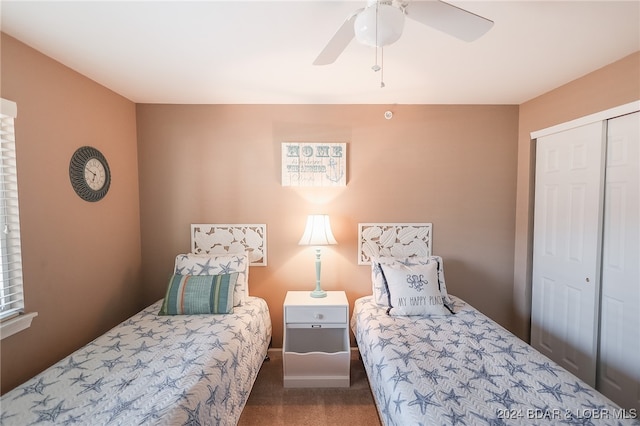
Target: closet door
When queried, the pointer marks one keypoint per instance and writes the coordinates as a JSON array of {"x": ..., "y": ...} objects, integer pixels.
[
  {"x": 619, "y": 366},
  {"x": 566, "y": 247}
]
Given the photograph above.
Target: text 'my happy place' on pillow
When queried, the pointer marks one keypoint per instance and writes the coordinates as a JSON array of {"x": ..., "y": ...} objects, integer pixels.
[
  {"x": 199, "y": 294},
  {"x": 414, "y": 290},
  {"x": 379, "y": 285},
  {"x": 215, "y": 264}
]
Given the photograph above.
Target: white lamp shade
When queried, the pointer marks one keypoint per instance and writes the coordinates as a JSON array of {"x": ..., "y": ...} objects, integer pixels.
[
  {"x": 318, "y": 231},
  {"x": 390, "y": 23}
]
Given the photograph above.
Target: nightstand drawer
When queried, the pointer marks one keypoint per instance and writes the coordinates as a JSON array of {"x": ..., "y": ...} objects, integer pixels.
[{"x": 315, "y": 314}]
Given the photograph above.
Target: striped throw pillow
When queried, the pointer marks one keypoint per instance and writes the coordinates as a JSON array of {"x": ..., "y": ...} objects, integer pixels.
[{"x": 199, "y": 294}]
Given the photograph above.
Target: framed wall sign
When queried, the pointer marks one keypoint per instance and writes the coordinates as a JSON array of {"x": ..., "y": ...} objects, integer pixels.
[{"x": 314, "y": 164}]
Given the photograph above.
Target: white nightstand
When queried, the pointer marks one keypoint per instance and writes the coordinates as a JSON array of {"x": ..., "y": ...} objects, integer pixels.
[{"x": 315, "y": 348}]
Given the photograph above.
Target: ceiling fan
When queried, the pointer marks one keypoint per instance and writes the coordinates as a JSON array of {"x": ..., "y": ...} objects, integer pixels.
[{"x": 380, "y": 23}]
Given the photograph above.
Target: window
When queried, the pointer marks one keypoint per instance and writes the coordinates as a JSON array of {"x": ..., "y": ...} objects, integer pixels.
[{"x": 11, "y": 293}]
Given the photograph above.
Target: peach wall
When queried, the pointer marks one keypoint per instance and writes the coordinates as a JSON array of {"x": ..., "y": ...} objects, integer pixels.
[
  {"x": 454, "y": 166},
  {"x": 81, "y": 260},
  {"x": 613, "y": 85}
]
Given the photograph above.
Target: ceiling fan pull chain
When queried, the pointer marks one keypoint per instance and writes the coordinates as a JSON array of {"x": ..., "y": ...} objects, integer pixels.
[
  {"x": 381, "y": 53},
  {"x": 382, "y": 67},
  {"x": 377, "y": 21},
  {"x": 376, "y": 67}
]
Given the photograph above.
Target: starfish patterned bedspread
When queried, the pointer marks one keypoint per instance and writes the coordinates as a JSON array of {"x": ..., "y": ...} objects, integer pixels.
[
  {"x": 152, "y": 370},
  {"x": 465, "y": 369}
]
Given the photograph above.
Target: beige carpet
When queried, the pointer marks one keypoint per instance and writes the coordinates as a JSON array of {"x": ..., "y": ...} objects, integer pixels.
[{"x": 271, "y": 404}]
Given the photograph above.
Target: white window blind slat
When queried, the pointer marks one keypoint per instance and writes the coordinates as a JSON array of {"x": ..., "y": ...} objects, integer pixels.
[
  {"x": 14, "y": 295},
  {"x": 11, "y": 290}
]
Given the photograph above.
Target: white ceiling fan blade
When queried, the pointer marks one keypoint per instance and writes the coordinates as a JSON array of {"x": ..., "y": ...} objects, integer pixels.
[
  {"x": 449, "y": 19},
  {"x": 338, "y": 42}
]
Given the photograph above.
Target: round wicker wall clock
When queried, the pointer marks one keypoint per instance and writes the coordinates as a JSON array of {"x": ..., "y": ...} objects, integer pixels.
[{"x": 89, "y": 173}]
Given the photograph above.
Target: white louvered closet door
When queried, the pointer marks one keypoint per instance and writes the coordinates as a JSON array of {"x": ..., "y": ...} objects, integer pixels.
[
  {"x": 619, "y": 364},
  {"x": 566, "y": 247}
]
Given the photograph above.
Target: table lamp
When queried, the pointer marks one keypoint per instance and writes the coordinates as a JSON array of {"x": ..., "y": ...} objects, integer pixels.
[{"x": 317, "y": 233}]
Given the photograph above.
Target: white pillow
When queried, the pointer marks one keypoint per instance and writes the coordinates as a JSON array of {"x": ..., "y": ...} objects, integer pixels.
[
  {"x": 379, "y": 285},
  {"x": 414, "y": 290},
  {"x": 215, "y": 264}
]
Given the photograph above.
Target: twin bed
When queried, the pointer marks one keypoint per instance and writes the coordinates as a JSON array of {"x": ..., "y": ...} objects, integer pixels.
[
  {"x": 191, "y": 358},
  {"x": 433, "y": 359},
  {"x": 464, "y": 369}
]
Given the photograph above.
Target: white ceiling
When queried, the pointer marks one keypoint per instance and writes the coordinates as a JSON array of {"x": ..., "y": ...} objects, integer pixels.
[{"x": 261, "y": 52}]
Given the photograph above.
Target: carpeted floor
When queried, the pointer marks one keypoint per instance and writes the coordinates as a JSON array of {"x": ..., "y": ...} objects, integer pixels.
[{"x": 271, "y": 404}]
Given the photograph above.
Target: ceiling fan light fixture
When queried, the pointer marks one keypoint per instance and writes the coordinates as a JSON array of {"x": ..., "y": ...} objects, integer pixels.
[{"x": 387, "y": 29}]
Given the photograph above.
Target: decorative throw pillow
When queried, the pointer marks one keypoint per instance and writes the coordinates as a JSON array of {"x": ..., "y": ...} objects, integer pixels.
[
  {"x": 414, "y": 290},
  {"x": 212, "y": 264},
  {"x": 379, "y": 285},
  {"x": 199, "y": 294}
]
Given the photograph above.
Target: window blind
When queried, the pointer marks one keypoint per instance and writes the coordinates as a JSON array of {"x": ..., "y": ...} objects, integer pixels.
[{"x": 11, "y": 293}]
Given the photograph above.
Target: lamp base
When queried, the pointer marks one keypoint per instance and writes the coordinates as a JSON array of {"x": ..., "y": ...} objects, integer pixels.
[{"x": 318, "y": 293}]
